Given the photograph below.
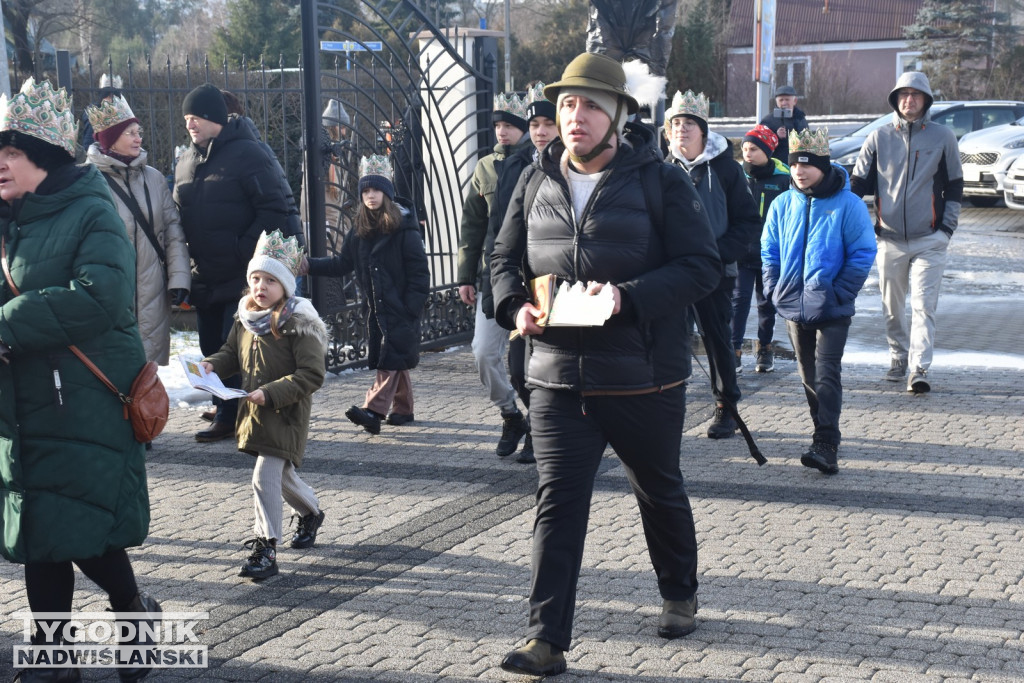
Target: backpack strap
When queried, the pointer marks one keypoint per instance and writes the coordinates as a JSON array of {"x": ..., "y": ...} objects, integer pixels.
[
  {"x": 133, "y": 205},
  {"x": 650, "y": 179}
]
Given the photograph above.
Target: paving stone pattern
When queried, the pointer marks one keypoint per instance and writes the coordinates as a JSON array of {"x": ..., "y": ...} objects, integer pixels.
[{"x": 907, "y": 566}]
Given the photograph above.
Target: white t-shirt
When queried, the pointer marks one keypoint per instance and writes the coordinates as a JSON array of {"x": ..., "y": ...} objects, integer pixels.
[{"x": 581, "y": 186}]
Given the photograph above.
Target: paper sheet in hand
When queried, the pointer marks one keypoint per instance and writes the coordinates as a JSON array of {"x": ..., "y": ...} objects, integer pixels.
[
  {"x": 573, "y": 307},
  {"x": 208, "y": 381}
]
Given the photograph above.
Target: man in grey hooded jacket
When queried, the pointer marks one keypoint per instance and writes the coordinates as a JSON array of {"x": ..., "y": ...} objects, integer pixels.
[{"x": 913, "y": 169}]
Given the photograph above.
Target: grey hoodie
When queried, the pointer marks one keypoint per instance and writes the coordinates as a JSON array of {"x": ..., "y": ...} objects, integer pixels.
[{"x": 913, "y": 169}]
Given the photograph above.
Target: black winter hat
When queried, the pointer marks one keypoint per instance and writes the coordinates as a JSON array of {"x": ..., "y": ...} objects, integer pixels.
[
  {"x": 206, "y": 102},
  {"x": 41, "y": 153}
]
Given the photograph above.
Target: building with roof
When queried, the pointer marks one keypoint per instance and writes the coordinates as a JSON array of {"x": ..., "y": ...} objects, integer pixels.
[{"x": 841, "y": 56}]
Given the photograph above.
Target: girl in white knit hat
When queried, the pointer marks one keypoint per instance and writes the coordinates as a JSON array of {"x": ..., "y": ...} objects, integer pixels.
[{"x": 277, "y": 344}]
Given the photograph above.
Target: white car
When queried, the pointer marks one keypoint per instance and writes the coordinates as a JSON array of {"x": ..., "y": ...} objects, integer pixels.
[
  {"x": 1013, "y": 185},
  {"x": 986, "y": 156}
]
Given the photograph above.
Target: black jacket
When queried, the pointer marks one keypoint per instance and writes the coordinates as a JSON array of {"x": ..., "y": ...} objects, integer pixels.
[
  {"x": 294, "y": 224},
  {"x": 796, "y": 122},
  {"x": 660, "y": 270},
  {"x": 723, "y": 189},
  {"x": 227, "y": 195},
  {"x": 394, "y": 281}
]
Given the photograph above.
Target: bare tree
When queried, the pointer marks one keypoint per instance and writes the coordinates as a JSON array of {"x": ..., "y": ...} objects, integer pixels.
[{"x": 32, "y": 21}]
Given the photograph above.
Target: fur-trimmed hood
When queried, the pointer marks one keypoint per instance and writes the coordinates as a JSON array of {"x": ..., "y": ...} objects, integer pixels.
[{"x": 309, "y": 322}]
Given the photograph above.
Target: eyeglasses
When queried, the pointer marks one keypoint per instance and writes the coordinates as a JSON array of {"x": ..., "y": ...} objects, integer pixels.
[
  {"x": 685, "y": 124},
  {"x": 133, "y": 133}
]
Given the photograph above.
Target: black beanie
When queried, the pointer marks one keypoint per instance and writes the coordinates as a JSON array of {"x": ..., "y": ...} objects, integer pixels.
[
  {"x": 540, "y": 108},
  {"x": 41, "y": 153},
  {"x": 511, "y": 119},
  {"x": 822, "y": 163},
  {"x": 206, "y": 102},
  {"x": 377, "y": 182}
]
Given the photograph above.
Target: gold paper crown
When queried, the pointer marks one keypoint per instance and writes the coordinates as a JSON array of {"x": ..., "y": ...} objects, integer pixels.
[
  {"x": 280, "y": 248},
  {"x": 809, "y": 142},
  {"x": 535, "y": 93},
  {"x": 109, "y": 113},
  {"x": 511, "y": 103},
  {"x": 375, "y": 164},
  {"x": 43, "y": 113},
  {"x": 688, "y": 104}
]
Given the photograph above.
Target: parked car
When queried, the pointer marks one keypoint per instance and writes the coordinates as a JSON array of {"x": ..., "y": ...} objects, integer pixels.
[
  {"x": 1013, "y": 184},
  {"x": 962, "y": 116},
  {"x": 986, "y": 156}
]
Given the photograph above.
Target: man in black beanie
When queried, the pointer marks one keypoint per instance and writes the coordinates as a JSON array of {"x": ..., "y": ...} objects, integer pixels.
[{"x": 228, "y": 193}]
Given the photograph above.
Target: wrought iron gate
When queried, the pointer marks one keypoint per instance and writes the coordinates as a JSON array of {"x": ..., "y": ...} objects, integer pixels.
[{"x": 410, "y": 90}]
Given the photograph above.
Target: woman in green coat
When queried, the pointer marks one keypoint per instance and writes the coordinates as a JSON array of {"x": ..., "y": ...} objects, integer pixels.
[{"x": 72, "y": 476}]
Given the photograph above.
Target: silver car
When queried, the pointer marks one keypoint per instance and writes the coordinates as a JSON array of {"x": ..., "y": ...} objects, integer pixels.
[{"x": 986, "y": 157}]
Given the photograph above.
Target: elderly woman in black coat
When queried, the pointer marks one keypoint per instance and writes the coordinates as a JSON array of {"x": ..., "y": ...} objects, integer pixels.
[{"x": 385, "y": 249}]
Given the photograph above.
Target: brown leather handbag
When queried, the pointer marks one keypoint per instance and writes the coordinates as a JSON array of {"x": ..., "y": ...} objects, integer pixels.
[{"x": 146, "y": 404}]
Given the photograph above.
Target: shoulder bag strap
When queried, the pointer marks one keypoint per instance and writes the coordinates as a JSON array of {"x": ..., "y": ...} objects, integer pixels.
[
  {"x": 74, "y": 349},
  {"x": 129, "y": 200}
]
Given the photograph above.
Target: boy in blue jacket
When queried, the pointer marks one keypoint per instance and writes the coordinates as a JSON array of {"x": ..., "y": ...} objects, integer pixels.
[{"x": 817, "y": 247}]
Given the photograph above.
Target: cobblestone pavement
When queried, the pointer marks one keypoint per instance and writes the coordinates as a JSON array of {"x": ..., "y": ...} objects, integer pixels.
[{"x": 907, "y": 566}]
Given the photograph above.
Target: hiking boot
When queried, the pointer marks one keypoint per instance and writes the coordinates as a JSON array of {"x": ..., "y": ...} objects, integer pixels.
[
  {"x": 677, "y": 618},
  {"x": 918, "y": 383},
  {"x": 526, "y": 455},
  {"x": 399, "y": 419},
  {"x": 144, "y": 633},
  {"x": 897, "y": 371},
  {"x": 723, "y": 425},
  {"x": 536, "y": 658},
  {"x": 367, "y": 419},
  {"x": 514, "y": 428},
  {"x": 822, "y": 456},
  {"x": 764, "y": 361},
  {"x": 739, "y": 362},
  {"x": 305, "y": 533},
  {"x": 262, "y": 563}
]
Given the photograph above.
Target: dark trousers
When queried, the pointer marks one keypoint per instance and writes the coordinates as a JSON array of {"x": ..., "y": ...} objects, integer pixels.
[
  {"x": 213, "y": 322},
  {"x": 518, "y": 352},
  {"x": 714, "y": 321},
  {"x": 51, "y": 585},
  {"x": 749, "y": 282},
  {"x": 819, "y": 354},
  {"x": 570, "y": 433}
]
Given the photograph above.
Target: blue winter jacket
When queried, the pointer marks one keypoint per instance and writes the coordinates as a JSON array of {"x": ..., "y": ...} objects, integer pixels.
[{"x": 816, "y": 250}]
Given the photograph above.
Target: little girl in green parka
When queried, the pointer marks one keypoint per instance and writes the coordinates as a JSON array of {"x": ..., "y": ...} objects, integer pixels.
[{"x": 278, "y": 345}]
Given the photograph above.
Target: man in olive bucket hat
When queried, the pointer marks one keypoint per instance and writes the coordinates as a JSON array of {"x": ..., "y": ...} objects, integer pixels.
[{"x": 585, "y": 207}]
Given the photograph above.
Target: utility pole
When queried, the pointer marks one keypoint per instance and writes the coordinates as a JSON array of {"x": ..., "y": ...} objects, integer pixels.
[{"x": 5, "y": 74}]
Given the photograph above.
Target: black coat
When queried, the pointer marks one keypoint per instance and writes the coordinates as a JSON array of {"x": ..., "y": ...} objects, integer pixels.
[
  {"x": 659, "y": 270},
  {"x": 227, "y": 195},
  {"x": 394, "y": 280}
]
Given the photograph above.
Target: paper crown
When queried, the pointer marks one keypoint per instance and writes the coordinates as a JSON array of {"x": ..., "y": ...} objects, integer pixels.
[
  {"x": 535, "y": 93},
  {"x": 511, "y": 103},
  {"x": 375, "y": 164},
  {"x": 109, "y": 113},
  {"x": 107, "y": 82},
  {"x": 688, "y": 104},
  {"x": 809, "y": 142},
  {"x": 41, "y": 112},
  {"x": 280, "y": 248}
]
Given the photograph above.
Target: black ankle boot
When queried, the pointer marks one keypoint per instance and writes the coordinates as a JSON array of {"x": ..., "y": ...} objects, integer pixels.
[
  {"x": 142, "y": 631},
  {"x": 62, "y": 674}
]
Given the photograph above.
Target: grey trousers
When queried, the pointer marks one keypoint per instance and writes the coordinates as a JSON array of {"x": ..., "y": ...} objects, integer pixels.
[
  {"x": 916, "y": 265},
  {"x": 490, "y": 343},
  {"x": 273, "y": 479}
]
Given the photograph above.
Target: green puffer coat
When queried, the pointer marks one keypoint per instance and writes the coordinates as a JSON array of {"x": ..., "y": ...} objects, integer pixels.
[
  {"x": 288, "y": 369},
  {"x": 72, "y": 476}
]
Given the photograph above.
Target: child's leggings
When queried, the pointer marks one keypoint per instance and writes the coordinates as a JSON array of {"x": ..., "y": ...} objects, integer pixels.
[{"x": 273, "y": 479}]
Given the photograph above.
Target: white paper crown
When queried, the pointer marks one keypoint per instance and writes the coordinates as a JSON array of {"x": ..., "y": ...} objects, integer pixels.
[
  {"x": 280, "y": 248},
  {"x": 43, "y": 113},
  {"x": 535, "y": 93},
  {"x": 511, "y": 103},
  {"x": 688, "y": 104},
  {"x": 810, "y": 142},
  {"x": 375, "y": 164},
  {"x": 109, "y": 113},
  {"x": 107, "y": 82}
]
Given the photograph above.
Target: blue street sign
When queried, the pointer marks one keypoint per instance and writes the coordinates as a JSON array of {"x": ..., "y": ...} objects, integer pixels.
[{"x": 350, "y": 46}]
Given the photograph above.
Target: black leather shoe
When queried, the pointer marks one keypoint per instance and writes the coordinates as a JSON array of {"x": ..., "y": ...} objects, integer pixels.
[
  {"x": 367, "y": 419},
  {"x": 513, "y": 428},
  {"x": 262, "y": 562},
  {"x": 723, "y": 425},
  {"x": 305, "y": 534},
  {"x": 536, "y": 658},
  {"x": 677, "y": 618},
  {"x": 142, "y": 636},
  {"x": 216, "y": 432},
  {"x": 526, "y": 456},
  {"x": 399, "y": 419}
]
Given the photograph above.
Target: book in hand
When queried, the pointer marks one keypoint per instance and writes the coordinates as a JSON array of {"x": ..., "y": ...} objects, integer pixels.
[
  {"x": 199, "y": 378},
  {"x": 565, "y": 305}
]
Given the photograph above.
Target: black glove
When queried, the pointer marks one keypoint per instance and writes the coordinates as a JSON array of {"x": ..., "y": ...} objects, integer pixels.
[{"x": 178, "y": 296}]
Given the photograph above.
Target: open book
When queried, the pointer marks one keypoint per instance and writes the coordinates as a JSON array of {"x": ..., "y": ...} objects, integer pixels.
[
  {"x": 568, "y": 305},
  {"x": 208, "y": 381}
]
